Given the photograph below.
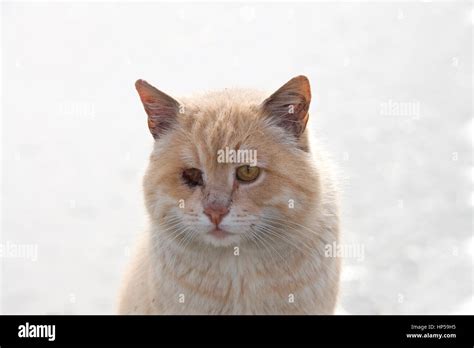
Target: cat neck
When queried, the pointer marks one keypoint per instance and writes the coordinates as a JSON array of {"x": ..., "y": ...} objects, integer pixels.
[{"x": 275, "y": 258}]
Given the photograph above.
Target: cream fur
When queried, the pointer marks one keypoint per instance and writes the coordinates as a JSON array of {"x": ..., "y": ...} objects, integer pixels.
[{"x": 264, "y": 276}]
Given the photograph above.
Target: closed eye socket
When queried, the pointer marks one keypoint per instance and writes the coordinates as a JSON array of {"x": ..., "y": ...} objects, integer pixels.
[{"x": 192, "y": 177}]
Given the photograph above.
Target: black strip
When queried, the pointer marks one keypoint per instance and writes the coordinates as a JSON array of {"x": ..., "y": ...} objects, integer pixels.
[{"x": 290, "y": 330}]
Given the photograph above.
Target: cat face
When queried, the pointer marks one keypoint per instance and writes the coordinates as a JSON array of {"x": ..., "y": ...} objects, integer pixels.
[{"x": 228, "y": 167}]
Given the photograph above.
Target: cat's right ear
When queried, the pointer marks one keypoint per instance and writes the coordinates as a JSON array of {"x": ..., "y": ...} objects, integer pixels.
[{"x": 160, "y": 108}]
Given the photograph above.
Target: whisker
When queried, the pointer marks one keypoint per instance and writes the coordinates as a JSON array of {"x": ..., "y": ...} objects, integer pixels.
[
  {"x": 282, "y": 237},
  {"x": 288, "y": 223}
]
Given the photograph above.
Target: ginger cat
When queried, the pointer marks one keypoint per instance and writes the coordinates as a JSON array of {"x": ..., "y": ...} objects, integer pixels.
[{"x": 227, "y": 236}]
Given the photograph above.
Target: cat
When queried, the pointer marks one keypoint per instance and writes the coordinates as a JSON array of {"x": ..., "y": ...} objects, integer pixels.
[{"x": 234, "y": 238}]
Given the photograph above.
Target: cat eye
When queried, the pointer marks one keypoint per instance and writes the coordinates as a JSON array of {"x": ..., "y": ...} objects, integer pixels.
[
  {"x": 192, "y": 177},
  {"x": 247, "y": 173}
]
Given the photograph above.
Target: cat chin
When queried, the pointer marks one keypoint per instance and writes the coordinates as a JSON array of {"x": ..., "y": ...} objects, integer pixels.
[{"x": 221, "y": 242}]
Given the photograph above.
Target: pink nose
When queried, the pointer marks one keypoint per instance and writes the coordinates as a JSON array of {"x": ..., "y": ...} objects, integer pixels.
[{"x": 216, "y": 213}]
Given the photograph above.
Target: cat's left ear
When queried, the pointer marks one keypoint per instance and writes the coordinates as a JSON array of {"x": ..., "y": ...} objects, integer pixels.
[
  {"x": 288, "y": 106},
  {"x": 160, "y": 108}
]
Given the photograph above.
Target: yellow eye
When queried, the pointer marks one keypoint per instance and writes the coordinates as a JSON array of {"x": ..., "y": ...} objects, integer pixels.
[{"x": 247, "y": 173}]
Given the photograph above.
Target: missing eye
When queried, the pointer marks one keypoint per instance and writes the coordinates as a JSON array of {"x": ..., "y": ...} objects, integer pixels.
[
  {"x": 247, "y": 173},
  {"x": 192, "y": 177}
]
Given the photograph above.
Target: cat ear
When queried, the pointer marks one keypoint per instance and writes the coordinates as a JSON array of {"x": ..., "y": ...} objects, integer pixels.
[
  {"x": 160, "y": 107},
  {"x": 288, "y": 106}
]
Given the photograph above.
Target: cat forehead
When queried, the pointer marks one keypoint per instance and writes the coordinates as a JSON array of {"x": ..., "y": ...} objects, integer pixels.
[
  {"x": 221, "y": 121},
  {"x": 227, "y": 115},
  {"x": 226, "y": 101},
  {"x": 240, "y": 95}
]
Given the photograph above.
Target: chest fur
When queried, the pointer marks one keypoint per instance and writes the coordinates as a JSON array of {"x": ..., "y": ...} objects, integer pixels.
[{"x": 189, "y": 284}]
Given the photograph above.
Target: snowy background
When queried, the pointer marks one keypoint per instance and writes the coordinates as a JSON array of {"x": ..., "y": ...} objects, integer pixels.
[{"x": 392, "y": 89}]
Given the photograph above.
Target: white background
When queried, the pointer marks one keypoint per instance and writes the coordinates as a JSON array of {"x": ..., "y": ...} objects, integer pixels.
[{"x": 75, "y": 141}]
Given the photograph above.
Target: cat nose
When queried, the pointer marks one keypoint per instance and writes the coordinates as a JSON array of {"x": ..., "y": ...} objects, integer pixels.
[{"x": 216, "y": 213}]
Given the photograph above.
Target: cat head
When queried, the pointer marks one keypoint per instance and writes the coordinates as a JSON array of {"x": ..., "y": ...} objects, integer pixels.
[{"x": 228, "y": 167}]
